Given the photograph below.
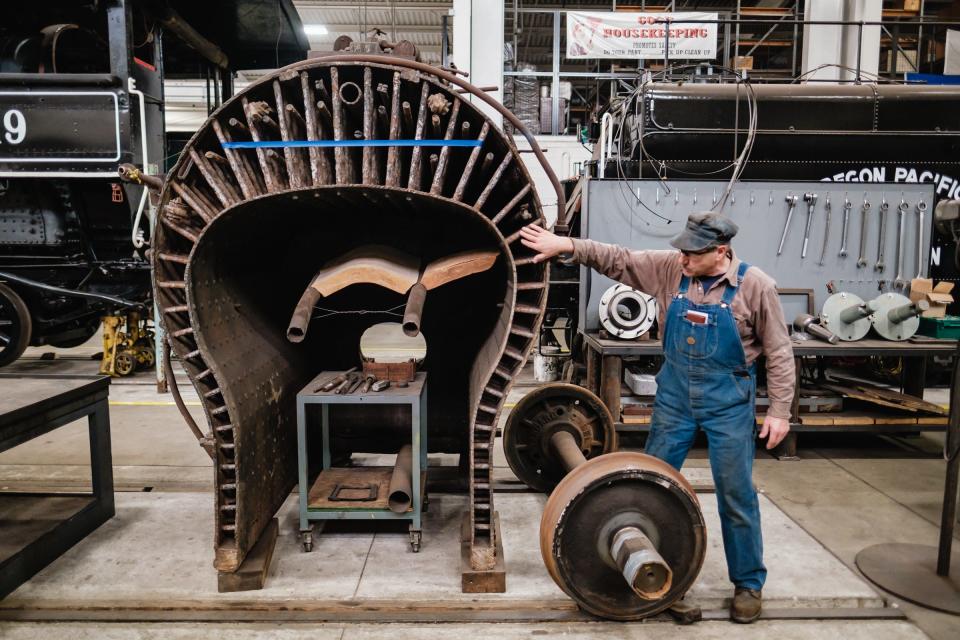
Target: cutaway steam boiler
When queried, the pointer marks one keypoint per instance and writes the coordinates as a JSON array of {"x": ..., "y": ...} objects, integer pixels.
[{"x": 244, "y": 229}]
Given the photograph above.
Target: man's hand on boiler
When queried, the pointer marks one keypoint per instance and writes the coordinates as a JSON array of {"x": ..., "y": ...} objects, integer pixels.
[{"x": 545, "y": 243}]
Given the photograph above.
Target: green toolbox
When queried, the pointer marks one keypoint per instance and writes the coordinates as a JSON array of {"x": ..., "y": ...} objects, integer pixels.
[{"x": 947, "y": 327}]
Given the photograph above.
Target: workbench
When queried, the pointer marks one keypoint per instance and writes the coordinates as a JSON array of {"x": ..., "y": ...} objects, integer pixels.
[
  {"x": 37, "y": 528},
  {"x": 605, "y": 371},
  {"x": 321, "y": 500}
]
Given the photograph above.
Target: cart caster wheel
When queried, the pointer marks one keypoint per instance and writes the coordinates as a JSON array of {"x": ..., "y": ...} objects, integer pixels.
[
  {"x": 415, "y": 539},
  {"x": 307, "y": 542}
]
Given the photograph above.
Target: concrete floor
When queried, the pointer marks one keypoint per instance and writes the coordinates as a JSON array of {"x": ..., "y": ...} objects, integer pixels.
[{"x": 843, "y": 494}]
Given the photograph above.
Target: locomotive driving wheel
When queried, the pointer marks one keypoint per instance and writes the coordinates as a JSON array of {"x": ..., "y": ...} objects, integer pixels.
[{"x": 15, "y": 325}]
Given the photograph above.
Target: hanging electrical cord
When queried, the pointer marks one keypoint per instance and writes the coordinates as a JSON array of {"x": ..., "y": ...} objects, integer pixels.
[
  {"x": 636, "y": 101},
  {"x": 739, "y": 163},
  {"x": 867, "y": 75}
]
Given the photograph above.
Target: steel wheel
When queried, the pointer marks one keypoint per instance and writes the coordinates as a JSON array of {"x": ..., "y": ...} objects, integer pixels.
[
  {"x": 16, "y": 326},
  {"x": 543, "y": 412},
  {"x": 125, "y": 363},
  {"x": 602, "y": 496}
]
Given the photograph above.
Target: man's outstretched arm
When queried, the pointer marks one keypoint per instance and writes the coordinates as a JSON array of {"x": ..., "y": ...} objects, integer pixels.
[{"x": 643, "y": 270}]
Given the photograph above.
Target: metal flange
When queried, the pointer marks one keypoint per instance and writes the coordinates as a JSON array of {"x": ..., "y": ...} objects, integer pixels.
[
  {"x": 847, "y": 316},
  {"x": 895, "y": 317},
  {"x": 542, "y": 413},
  {"x": 627, "y": 313},
  {"x": 604, "y": 497}
]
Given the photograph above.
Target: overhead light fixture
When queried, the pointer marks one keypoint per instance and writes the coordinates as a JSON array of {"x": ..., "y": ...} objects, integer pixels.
[{"x": 315, "y": 30}]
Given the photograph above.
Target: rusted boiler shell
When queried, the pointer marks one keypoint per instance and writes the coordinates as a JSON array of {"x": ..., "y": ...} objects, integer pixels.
[{"x": 243, "y": 230}]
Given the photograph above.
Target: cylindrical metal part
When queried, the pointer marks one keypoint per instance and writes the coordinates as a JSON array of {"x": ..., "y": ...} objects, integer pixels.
[
  {"x": 414, "y": 310},
  {"x": 567, "y": 449},
  {"x": 642, "y": 566},
  {"x": 907, "y": 311},
  {"x": 297, "y": 330},
  {"x": 806, "y": 322},
  {"x": 856, "y": 312},
  {"x": 350, "y": 93},
  {"x": 367, "y": 384},
  {"x": 401, "y": 481},
  {"x": 816, "y": 330}
]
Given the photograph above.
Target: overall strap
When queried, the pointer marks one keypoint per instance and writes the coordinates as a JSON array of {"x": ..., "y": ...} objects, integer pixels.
[
  {"x": 731, "y": 291},
  {"x": 684, "y": 285}
]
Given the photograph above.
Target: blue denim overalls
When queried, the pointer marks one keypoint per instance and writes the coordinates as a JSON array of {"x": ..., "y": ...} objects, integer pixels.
[{"x": 705, "y": 382}]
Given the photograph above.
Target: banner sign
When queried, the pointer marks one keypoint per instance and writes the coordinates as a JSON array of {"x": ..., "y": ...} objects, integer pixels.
[{"x": 595, "y": 34}]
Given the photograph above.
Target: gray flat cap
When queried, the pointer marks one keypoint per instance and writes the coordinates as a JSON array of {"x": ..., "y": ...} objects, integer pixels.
[{"x": 704, "y": 230}]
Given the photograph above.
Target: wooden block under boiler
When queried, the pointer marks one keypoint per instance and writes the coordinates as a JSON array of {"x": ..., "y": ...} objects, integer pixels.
[
  {"x": 482, "y": 580},
  {"x": 252, "y": 573}
]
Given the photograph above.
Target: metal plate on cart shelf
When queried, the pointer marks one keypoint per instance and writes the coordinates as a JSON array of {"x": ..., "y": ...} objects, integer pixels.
[{"x": 319, "y": 497}]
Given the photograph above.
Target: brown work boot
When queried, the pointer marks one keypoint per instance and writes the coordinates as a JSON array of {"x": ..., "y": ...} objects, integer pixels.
[{"x": 746, "y": 605}]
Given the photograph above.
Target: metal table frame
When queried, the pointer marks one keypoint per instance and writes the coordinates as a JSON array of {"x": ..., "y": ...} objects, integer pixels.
[
  {"x": 414, "y": 395},
  {"x": 25, "y": 418},
  {"x": 605, "y": 368}
]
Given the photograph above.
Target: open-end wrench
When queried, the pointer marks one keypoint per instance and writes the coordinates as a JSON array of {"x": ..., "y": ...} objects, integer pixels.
[
  {"x": 899, "y": 282},
  {"x": 791, "y": 204},
  {"x": 826, "y": 228},
  {"x": 847, "y": 205},
  {"x": 921, "y": 207},
  {"x": 864, "y": 212},
  {"x": 883, "y": 217},
  {"x": 811, "y": 200}
]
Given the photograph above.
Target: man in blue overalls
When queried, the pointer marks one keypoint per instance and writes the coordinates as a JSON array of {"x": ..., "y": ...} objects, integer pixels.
[{"x": 717, "y": 316}]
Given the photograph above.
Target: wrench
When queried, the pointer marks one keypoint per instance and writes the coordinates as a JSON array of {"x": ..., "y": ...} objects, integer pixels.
[
  {"x": 899, "y": 282},
  {"x": 921, "y": 207},
  {"x": 826, "y": 228},
  {"x": 791, "y": 203},
  {"x": 811, "y": 200},
  {"x": 883, "y": 216},
  {"x": 847, "y": 205},
  {"x": 864, "y": 212}
]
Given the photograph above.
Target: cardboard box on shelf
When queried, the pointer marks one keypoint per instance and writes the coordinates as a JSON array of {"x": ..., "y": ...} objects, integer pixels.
[{"x": 938, "y": 296}]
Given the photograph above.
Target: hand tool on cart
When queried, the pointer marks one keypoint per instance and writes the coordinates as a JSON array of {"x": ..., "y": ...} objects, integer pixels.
[
  {"x": 342, "y": 387},
  {"x": 864, "y": 213},
  {"x": 367, "y": 383},
  {"x": 826, "y": 228},
  {"x": 809, "y": 324},
  {"x": 811, "y": 200},
  {"x": 791, "y": 204},
  {"x": 355, "y": 381},
  {"x": 380, "y": 385},
  {"x": 884, "y": 206},
  {"x": 847, "y": 205},
  {"x": 921, "y": 208},
  {"x": 898, "y": 281},
  {"x": 335, "y": 381}
]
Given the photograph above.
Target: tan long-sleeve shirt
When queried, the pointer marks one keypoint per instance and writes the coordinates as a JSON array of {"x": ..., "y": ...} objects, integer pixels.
[{"x": 756, "y": 306}]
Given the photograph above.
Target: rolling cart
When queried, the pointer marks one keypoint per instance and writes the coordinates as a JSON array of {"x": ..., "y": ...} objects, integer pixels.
[{"x": 359, "y": 493}]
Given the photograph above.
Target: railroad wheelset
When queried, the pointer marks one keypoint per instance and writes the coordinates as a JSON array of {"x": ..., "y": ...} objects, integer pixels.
[{"x": 622, "y": 533}]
